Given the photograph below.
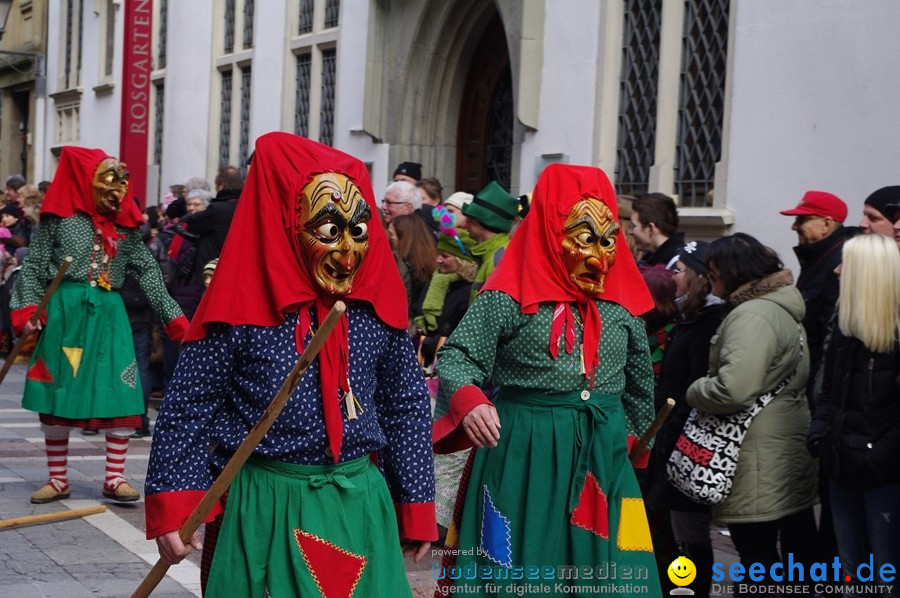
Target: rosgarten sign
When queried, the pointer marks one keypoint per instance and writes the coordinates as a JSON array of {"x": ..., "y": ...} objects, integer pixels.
[{"x": 137, "y": 60}]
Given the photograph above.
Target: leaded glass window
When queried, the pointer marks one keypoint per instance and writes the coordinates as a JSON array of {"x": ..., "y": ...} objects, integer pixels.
[
  {"x": 248, "y": 23},
  {"x": 71, "y": 76},
  {"x": 109, "y": 52},
  {"x": 301, "y": 97},
  {"x": 70, "y": 30},
  {"x": 163, "y": 33},
  {"x": 159, "y": 106},
  {"x": 326, "y": 123},
  {"x": 701, "y": 99},
  {"x": 244, "y": 139},
  {"x": 332, "y": 11},
  {"x": 307, "y": 11},
  {"x": 225, "y": 120},
  {"x": 500, "y": 140},
  {"x": 229, "y": 26},
  {"x": 638, "y": 88},
  {"x": 79, "y": 44}
]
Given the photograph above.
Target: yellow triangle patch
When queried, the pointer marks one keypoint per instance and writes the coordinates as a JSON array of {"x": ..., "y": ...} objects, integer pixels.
[{"x": 73, "y": 354}]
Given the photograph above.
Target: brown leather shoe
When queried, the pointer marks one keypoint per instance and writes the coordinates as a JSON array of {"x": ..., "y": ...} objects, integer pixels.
[
  {"x": 52, "y": 490},
  {"x": 123, "y": 492}
]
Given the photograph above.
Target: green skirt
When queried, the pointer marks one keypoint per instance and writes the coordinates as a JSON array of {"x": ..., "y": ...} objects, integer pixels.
[
  {"x": 556, "y": 505},
  {"x": 83, "y": 365},
  {"x": 308, "y": 530}
]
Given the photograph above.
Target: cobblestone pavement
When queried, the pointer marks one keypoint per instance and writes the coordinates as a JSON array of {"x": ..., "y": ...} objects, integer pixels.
[{"x": 100, "y": 555}]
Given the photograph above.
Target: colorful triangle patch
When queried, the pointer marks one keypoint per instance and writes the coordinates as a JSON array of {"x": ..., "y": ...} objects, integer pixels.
[
  {"x": 73, "y": 354},
  {"x": 129, "y": 375},
  {"x": 39, "y": 372},
  {"x": 592, "y": 511},
  {"x": 335, "y": 570},
  {"x": 495, "y": 533},
  {"x": 634, "y": 532},
  {"x": 452, "y": 538}
]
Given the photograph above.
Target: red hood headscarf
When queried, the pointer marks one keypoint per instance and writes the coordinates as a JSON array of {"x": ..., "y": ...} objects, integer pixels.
[
  {"x": 532, "y": 270},
  {"x": 261, "y": 273},
  {"x": 72, "y": 191}
]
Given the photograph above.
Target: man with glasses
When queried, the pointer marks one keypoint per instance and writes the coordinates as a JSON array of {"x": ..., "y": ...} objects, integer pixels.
[
  {"x": 197, "y": 200},
  {"x": 400, "y": 199}
]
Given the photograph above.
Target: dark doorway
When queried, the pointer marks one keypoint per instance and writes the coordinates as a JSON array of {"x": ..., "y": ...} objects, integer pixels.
[
  {"x": 21, "y": 102},
  {"x": 485, "y": 134}
]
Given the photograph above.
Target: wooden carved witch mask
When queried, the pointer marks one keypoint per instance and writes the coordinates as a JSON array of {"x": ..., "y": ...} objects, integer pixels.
[
  {"x": 110, "y": 185},
  {"x": 333, "y": 230},
  {"x": 589, "y": 244}
]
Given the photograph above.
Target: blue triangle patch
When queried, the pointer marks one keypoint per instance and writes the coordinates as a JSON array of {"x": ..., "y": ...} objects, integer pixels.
[{"x": 495, "y": 533}]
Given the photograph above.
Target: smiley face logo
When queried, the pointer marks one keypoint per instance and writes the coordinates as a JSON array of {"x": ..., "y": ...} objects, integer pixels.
[{"x": 682, "y": 571}]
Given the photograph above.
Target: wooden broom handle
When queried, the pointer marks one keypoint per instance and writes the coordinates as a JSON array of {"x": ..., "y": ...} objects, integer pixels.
[
  {"x": 652, "y": 431},
  {"x": 51, "y": 517}
]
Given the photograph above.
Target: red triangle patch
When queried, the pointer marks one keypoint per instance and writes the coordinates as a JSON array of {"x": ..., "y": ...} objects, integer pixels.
[
  {"x": 592, "y": 512},
  {"x": 335, "y": 570},
  {"x": 39, "y": 372}
]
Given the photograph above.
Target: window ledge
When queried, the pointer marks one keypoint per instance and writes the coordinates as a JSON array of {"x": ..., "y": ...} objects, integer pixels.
[
  {"x": 67, "y": 95},
  {"x": 706, "y": 217},
  {"x": 105, "y": 87}
]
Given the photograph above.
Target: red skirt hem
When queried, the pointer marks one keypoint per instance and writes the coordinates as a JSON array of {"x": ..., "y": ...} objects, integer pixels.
[{"x": 98, "y": 423}]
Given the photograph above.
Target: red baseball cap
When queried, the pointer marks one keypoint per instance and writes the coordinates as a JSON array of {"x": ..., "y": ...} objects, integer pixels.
[{"x": 820, "y": 203}]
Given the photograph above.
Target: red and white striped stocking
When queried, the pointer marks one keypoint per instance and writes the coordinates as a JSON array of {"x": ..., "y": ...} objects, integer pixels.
[
  {"x": 57, "y": 461},
  {"x": 116, "y": 448}
]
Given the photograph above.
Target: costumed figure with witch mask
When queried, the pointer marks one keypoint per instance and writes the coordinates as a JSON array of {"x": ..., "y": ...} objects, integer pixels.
[
  {"x": 555, "y": 328},
  {"x": 83, "y": 371},
  {"x": 310, "y": 512}
]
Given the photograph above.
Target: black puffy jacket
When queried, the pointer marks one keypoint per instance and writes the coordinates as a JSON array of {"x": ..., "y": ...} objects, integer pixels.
[{"x": 856, "y": 427}]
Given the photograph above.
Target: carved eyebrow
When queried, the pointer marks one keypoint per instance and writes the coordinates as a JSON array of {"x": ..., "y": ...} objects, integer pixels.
[
  {"x": 362, "y": 211},
  {"x": 587, "y": 221},
  {"x": 328, "y": 210},
  {"x": 611, "y": 230},
  {"x": 114, "y": 171}
]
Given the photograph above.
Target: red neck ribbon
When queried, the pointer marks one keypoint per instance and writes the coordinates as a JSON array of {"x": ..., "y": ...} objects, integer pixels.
[{"x": 532, "y": 270}]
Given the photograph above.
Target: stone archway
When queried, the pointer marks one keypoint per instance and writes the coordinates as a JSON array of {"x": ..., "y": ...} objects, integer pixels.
[{"x": 428, "y": 87}]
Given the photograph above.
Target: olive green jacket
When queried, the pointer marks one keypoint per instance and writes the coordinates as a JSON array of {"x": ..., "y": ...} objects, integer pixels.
[{"x": 760, "y": 343}]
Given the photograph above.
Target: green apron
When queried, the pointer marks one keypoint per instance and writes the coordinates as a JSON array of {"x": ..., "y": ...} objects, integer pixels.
[
  {"x": 557, "y": 491},
  {"x": 83, "y": 365},
  {"x": 308, "y": 530}
]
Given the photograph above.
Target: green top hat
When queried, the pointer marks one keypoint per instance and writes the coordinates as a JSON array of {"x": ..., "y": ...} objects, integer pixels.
[{"x": 493, "y": 208}]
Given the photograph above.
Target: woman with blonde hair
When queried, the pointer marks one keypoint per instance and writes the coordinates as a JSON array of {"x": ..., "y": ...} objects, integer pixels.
[{"x": 856, "y": 426}]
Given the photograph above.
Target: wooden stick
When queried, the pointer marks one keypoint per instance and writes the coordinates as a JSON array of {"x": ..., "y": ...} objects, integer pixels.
[
  {"x": 652, "y": 431},
  {"x": 35, "y": 317},
  {"x": 246, "y": 449},
  {"x": 50, "y": 517}
]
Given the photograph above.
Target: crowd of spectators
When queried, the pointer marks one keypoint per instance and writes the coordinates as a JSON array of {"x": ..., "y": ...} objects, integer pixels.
[{"x": 730, "y": 324}]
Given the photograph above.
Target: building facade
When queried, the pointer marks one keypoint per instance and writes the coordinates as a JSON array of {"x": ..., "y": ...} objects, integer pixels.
[
  {"x": 734, "y": 106},
  {"x": 22, "y": 87}
]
